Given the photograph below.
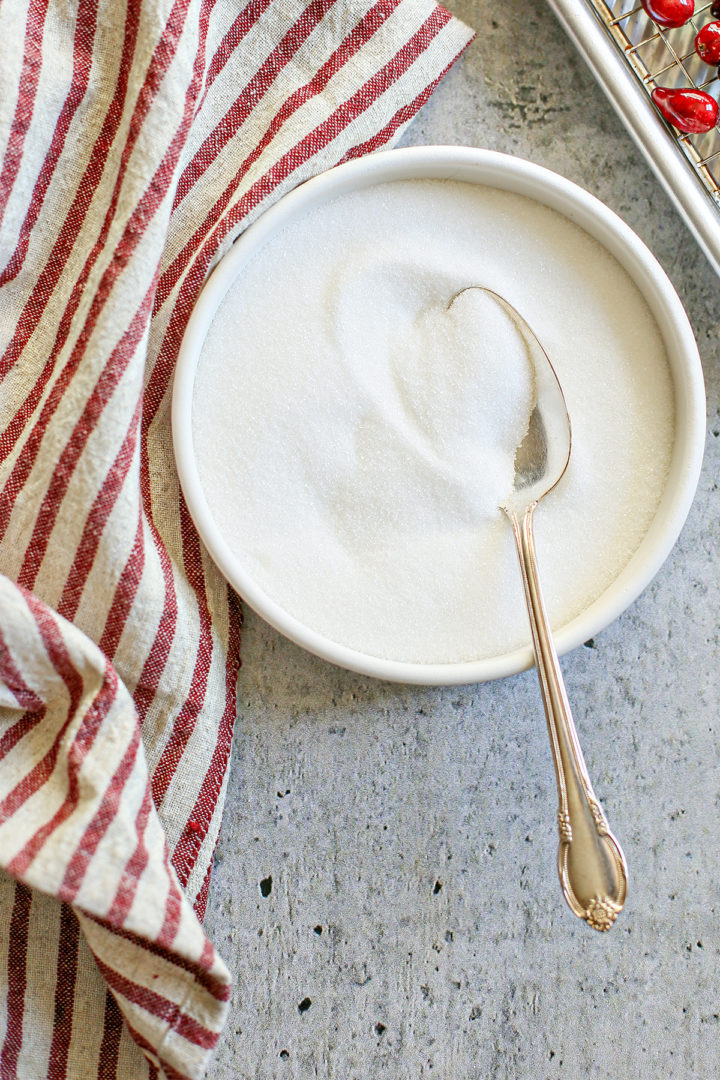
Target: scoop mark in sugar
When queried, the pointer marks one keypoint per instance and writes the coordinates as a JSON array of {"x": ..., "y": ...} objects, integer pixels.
[{"x": 465, "y": 383}]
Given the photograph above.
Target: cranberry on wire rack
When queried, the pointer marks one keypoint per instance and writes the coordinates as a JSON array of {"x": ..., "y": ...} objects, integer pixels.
[
  {"x": 669, "y": 13},
  {"x": 691, "y": 111},
  {"x": 707, "y": 43}
]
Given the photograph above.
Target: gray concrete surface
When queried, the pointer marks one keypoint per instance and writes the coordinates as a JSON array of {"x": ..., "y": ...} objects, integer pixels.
[{"x": 385, "y": 890}]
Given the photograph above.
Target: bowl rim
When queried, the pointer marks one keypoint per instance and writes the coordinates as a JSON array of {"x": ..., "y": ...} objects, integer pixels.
[{"x": 492, "y": 169}]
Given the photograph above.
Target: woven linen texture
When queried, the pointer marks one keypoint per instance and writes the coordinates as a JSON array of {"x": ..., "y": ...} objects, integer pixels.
[{"x": 138, "y": 140}]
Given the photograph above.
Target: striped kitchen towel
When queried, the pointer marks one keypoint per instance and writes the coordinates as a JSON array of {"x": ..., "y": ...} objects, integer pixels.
[{"x": 138, "y": 139}]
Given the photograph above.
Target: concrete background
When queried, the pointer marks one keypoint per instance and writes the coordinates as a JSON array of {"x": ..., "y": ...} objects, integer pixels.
[{"x": 385, "y": 889}]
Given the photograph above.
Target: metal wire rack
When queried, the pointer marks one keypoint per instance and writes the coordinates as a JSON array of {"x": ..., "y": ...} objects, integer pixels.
[
  {"x": 668, "y": 58},
  {"x": 630, "y": 55}
]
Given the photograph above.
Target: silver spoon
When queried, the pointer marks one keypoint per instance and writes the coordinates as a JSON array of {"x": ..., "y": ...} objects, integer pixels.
[{"x": 591, "y": 865}]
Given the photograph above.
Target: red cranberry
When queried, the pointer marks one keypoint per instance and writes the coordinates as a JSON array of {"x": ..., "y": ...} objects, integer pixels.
[
  {"x": 669, "y": 13},
  {"x": 707, "y": 43},
  {"x": 692, "y": 111},
  {"x": 715, "y": 9}
]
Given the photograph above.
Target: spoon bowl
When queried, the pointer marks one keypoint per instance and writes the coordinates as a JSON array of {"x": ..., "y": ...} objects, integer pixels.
[{"x": 591, "y": 865}]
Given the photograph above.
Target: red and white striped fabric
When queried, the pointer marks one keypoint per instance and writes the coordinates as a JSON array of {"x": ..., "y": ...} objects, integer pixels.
[{"x": 139, "y": 137}]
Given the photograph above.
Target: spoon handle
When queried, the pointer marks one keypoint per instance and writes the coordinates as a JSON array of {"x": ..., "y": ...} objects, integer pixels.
[{"x": 591, "y": 865}]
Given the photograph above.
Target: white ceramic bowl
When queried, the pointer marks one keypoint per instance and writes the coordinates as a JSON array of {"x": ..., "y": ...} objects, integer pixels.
[{"x": 500, "y": 171}]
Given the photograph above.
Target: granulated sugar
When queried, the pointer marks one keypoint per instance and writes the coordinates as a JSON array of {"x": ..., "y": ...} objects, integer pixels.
[{"x": 355, "y": 436}]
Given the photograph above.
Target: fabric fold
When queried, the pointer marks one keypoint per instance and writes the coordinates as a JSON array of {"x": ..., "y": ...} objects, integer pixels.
[
  {"x": 139, "y": 138},
  {"x": 78, "y": 822}
]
